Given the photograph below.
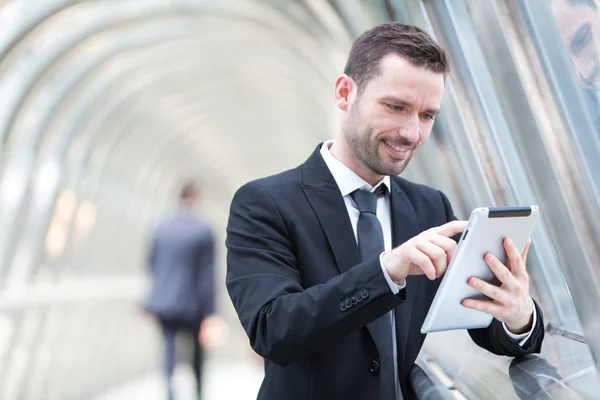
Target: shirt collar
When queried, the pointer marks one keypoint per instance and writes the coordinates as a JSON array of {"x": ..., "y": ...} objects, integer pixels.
[{"x": 345, "y": 178}]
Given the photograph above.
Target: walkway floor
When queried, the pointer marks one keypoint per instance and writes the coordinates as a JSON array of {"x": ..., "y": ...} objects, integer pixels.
[{"x": 222, "y": 382}]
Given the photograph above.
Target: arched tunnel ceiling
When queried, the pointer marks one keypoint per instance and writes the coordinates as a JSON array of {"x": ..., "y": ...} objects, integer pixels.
[
  {"x": 223, "y": 81},
  {"x": 138, "y": 94},
  {"x": 228, "y": 67}
]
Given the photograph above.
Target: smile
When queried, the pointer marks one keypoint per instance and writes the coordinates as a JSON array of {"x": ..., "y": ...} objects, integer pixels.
[{"x": 396, "y": 151}]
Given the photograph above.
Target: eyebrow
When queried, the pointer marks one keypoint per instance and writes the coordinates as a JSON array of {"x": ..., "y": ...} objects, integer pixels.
[{"x": 400, "y": 102}]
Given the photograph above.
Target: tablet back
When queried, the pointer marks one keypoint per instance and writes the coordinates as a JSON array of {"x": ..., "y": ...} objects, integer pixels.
[{"x": 485, "y": 233}]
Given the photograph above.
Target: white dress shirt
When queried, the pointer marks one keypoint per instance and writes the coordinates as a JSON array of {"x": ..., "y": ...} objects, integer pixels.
[{"x": 347, "y": 181}]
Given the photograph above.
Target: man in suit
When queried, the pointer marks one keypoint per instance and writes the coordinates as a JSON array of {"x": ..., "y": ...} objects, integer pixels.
[
  {"x": 332, "y": 266},
  {"x": 182, "y": 295}
]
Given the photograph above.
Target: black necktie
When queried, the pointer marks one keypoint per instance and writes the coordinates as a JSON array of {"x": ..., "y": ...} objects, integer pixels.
[
  {"x": 370, "y": 234},
  {"x": 371, "y": 245}
]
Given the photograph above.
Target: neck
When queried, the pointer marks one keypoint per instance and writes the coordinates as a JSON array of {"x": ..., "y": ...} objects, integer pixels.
[
  {"x": 342, "y": 152},
  {"x": 186, "y": 205}
]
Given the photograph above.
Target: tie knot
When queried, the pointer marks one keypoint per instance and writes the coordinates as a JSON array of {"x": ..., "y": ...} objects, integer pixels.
[{"x": 367, "y": 201}]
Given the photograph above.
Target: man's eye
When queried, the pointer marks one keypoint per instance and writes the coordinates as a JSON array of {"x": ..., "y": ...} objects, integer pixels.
[
  {"x": 428, "y": 117},
  {"x": 394, "y": 107},
  {"x": 581, "y": 38}
]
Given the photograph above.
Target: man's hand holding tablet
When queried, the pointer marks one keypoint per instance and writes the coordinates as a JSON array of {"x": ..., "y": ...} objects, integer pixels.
[{"x": 511, "y": 302}]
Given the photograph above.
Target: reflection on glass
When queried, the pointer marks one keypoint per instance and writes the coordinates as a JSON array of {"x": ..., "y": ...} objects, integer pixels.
[
  {"x": 534, "y": 377},
  {"x": 579, "y": 25}
]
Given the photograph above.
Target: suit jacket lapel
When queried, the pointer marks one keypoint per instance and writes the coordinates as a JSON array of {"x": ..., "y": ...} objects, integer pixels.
[
  {"x": 326, "y": 200},
  {"x": 405, "y": 225}
]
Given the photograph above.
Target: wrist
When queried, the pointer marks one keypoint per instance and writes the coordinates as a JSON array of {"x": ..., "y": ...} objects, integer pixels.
[
  {"x": 387, "y": 260},
  {"x": 522, "y": 326}
]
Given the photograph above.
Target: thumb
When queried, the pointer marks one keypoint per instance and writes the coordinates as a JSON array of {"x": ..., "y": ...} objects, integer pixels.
[{"x": 526, "y": 250}]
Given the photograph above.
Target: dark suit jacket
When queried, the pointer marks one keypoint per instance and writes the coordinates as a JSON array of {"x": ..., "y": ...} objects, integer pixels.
[
  {"x": 181, "y": 260},
  {"x": 304, "y": 297}
]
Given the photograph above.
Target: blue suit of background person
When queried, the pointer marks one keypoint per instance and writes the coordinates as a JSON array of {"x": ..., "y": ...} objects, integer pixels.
[{"x": 182, "y": 294}]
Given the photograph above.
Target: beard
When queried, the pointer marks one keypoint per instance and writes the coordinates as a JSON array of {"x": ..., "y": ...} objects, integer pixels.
[{"x": 366, "y": 149}]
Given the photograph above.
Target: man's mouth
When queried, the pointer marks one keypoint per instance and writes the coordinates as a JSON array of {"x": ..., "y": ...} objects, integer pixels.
[{"x": 397, "y": 151}]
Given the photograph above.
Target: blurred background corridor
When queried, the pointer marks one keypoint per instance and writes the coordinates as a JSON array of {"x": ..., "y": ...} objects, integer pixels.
[{"x": 107, "y": 105}]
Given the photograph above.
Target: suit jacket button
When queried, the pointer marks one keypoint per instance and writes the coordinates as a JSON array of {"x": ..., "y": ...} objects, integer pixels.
[
  {"x": 364, "y": 293},
  {"x": 348, "y": 303},
  {"x": 374, "y": 367},
  {"x": 343, "y": 306}
]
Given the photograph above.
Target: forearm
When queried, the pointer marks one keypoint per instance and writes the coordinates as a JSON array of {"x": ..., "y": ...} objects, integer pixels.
[{"x": 285, "y": 322}]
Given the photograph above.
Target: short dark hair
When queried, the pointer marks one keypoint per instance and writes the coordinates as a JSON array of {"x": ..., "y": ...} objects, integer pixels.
[
  {"x": 189, "y": 190},
  {"x": 407, "y": 41}
]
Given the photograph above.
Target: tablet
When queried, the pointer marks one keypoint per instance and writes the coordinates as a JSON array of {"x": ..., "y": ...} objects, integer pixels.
[{"x": 485, "y": 233}]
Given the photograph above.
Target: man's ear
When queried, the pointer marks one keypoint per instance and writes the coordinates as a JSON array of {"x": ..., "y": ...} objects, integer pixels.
[{"x": 343, "y": 89}]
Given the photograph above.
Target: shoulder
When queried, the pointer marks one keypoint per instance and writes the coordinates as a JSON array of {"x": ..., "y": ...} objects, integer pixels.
[
  {"x": 413, "y": 189},
  {"x": 162, "y": 223},
  {"x": 272, "y": 187},
  {"x": 425, "y": 199}
]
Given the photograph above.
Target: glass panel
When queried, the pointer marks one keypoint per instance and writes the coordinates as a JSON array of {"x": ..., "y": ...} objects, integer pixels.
[
  {"x": 568, "y": 80},
  {"x": 500, "y": 140}
]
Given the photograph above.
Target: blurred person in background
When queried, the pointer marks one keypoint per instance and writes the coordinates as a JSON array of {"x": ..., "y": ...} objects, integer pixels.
[
  {"x": 182, "y": 295},
  {"x": 579, "y": 24},
  {"x": 332, "y": 266}
]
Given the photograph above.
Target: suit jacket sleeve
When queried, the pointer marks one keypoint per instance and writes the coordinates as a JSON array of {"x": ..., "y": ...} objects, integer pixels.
[
  {"x": 206, "y": 273},
  {"x": 494, "y": 338},
  {"x": 285, "y": 321},
  {"x": 151, "y": 256}
]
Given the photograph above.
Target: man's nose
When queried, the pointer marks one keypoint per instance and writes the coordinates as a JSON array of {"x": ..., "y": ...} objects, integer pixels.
[{"x": 410, "y": 130}]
